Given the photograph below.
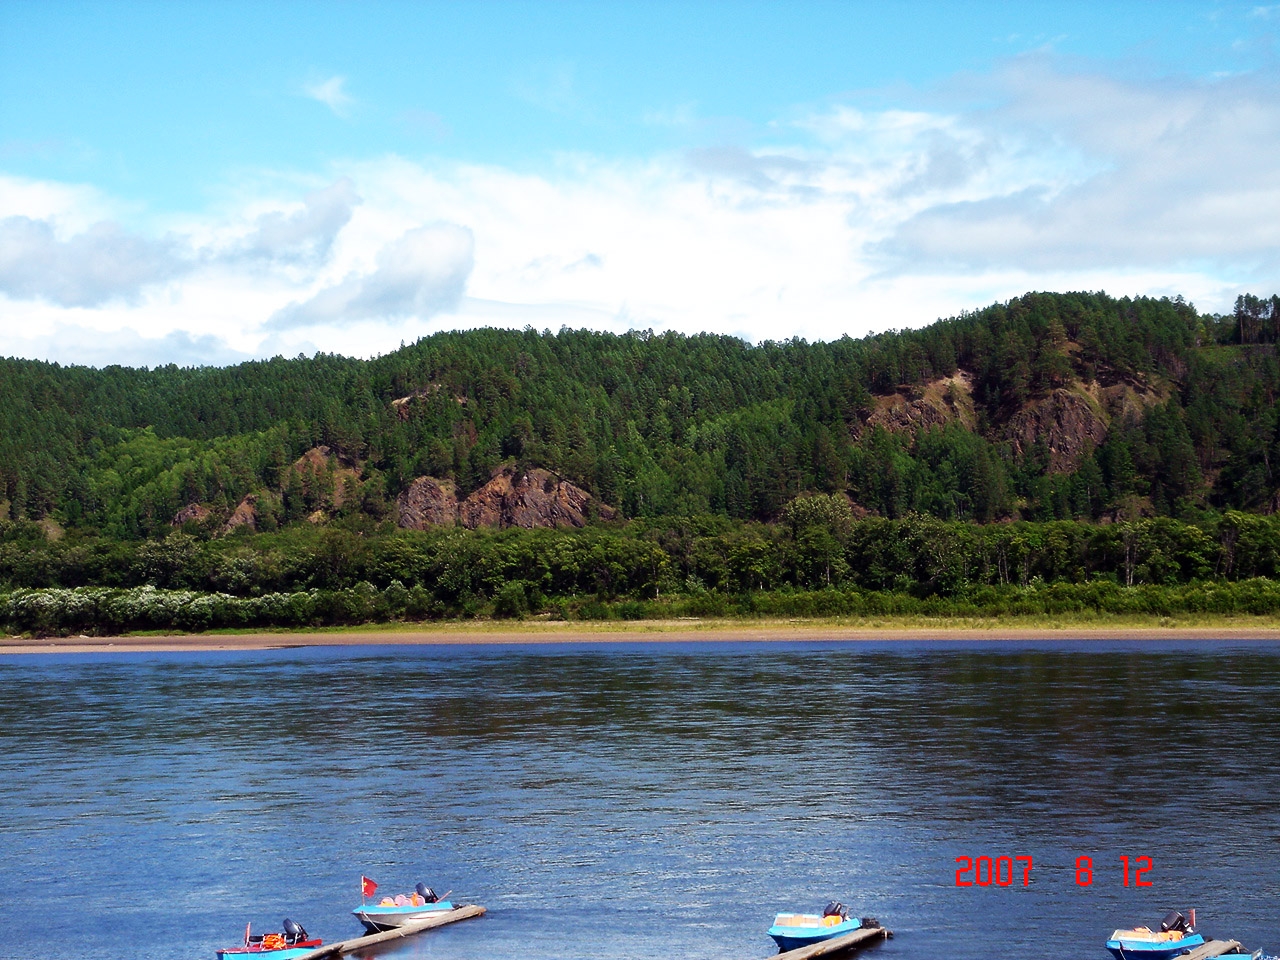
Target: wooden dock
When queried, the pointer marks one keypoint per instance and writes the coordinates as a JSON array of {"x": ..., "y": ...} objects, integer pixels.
[
  {"x": 409, "y": 929},
  {"x": 838, "y": 944},
  {"x": 1211, "y": 948}
]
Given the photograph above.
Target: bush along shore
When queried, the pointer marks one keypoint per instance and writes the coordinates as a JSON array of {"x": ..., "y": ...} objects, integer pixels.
[
  {"x": 816, "y": 561},
  {"x": 107, "y": 611}
]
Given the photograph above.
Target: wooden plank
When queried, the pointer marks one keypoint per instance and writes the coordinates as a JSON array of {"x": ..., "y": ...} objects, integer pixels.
[
  {"x": 409, "y": 929},
  {"x": 1210, "y": 949},
  {"x": 834, "y": 945}
]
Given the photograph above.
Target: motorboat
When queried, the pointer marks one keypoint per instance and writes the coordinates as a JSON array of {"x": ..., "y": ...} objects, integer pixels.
[
  {"x": 1175, "y": 937},
  {"x": 392, "y": 912},
  {"x": 794, "y": 930},
  {"x": 292, "y": 942}
]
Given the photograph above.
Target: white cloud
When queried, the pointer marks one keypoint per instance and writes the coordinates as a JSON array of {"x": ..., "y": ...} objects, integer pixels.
[
  {"x": 306, "y": 233},
  {"x": 331, "y": 93},
  {"x": 102, "y": 264},
  {"x": 847, "y": 221},
  {"x": 75, "y": 207},
  {"x": 420, "y": 274},
  {"x": 72, "y": 344},
  {"x": 1184, "y": 173}
]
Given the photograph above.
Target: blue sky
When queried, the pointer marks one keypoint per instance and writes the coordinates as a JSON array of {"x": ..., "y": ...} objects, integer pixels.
[{"x": 203, "y": 182}]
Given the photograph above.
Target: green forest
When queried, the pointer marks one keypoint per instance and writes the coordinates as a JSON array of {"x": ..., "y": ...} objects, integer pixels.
[{"x": 1117, "y": 451}]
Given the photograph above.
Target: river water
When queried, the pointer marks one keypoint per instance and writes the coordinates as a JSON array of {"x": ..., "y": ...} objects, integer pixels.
[{"x": 639, "y": 800}]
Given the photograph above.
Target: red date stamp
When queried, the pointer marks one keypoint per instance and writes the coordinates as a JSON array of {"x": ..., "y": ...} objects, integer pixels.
[
  {"x": 1001, "y": 871},
  {"x": 988, "y": 870}
]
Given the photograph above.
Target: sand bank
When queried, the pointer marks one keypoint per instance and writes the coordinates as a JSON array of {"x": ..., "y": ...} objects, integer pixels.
[{"x": 710, "y": 631}]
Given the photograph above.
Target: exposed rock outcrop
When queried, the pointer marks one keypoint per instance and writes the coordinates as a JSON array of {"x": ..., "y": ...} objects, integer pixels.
[
  {"x": 535, "y": 498},
  {"x": 1065, "y": 421},
  {"x": 1127, "y": 401},
  {"x": 245, "y": 514},
  {"x": 191, "y": 513},
  {"x": 1069, "y": 420},
  {"x": 428, "y": 502},
  {"x": 933, "y": 404},
  {"x": 326, "y": 476}
]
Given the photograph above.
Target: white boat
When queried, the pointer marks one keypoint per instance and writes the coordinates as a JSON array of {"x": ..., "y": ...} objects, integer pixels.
[{"x": 392, "y": 912}]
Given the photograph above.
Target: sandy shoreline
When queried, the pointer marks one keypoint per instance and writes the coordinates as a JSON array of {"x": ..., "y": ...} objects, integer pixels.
[{"x": 710, "y": 631}]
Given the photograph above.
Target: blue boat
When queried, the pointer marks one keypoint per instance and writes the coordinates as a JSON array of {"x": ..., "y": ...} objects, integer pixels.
[
  {"x": 791, "y": 931},
  {"x": 1175, "y": 937},
  {"x": 290, "y": 944},
  {"x": 392, "y": 912}
]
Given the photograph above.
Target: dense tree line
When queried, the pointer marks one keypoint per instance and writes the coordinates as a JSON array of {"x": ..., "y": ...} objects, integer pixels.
[
  {"x": 818, "y": 560},
  {"x": 816, "y": 544}
]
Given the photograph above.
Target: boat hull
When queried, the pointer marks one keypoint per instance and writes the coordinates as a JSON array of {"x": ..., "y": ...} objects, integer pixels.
[
  {"x": 377, "y": 919},
  {"x": 793, "y": 937},
  {"x": 1123, "y": 949},
  {"x": 282, "y": 953}
]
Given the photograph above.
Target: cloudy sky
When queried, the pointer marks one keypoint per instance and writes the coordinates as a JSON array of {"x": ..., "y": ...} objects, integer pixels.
[{"x": 206, "y": 182}]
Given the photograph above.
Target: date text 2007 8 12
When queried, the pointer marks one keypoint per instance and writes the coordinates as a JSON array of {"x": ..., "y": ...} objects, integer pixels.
[{"x": 999, "y": 871}]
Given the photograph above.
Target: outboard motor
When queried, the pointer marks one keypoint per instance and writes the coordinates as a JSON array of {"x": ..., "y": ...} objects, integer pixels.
[
  {"x": 836, "y": 909},
  {"x": 1173, "y": 921},
  {"x": 293, "y": 932},
  {"x": 426, "y": 893}
]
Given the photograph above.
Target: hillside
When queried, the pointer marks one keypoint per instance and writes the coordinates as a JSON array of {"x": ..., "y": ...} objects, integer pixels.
[{"x": 1048, "y": 406}]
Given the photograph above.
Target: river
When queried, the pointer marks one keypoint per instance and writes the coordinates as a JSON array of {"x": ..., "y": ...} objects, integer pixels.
[{"x": 636, "y": 801}]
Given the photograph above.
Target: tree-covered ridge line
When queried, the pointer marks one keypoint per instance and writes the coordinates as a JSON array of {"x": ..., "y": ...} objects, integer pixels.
[{"x": 1074, "y": 406}]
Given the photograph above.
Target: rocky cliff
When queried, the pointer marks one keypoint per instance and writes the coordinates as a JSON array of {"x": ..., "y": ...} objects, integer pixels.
[
  {"x": 191, "y": 513},
  {"x": 428, "y": 502},
  {"x": 245, "y": 514},
  {"x": 534, "y": 498},
  {"x": 933, "y": 404},
  {"x": 1067, "y": 422}
]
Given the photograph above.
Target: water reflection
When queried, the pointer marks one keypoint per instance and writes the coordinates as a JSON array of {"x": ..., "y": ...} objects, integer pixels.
[{"x": 669, "y": 794}]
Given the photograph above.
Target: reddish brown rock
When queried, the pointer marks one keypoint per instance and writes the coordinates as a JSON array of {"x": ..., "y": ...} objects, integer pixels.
[
  {"x": 536, "y": 498},
  {"x": 484, "y": 508},
  {"x": 191, "y": 513},
  {"x": 326, "y": 475},
  {"x": 1068, "y": 424},
  {"x": 428, "y": 502},
  {"x": 245, "y": 514}
]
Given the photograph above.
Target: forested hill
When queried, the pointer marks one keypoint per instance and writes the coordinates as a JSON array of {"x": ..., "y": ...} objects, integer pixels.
[{"x": 1048, "y": 406}]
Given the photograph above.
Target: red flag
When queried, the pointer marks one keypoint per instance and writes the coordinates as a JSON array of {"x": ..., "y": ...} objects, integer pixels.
[{"x": 367, "y": 887}]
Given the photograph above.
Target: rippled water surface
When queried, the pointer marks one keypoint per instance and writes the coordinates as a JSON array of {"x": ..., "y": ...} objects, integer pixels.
[{"x": 638, "y": 801}]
